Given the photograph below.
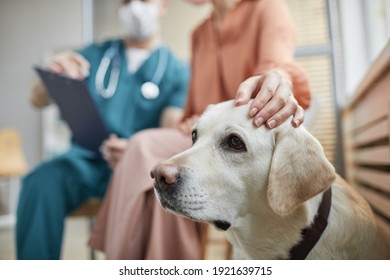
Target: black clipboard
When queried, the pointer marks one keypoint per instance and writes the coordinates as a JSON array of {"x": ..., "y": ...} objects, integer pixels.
[{"x": 77, "y": 108}]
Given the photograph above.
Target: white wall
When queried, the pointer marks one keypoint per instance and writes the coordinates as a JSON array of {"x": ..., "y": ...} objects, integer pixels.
[
  {"x": 365, "y": 32},
  {"x": 354, "y": 45},
  {"x": 28, "y": 29},
  {"x": 178, "y": 23}
]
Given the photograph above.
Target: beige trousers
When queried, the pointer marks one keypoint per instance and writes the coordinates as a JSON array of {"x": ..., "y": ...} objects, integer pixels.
[{"x": 131, "y": 224}]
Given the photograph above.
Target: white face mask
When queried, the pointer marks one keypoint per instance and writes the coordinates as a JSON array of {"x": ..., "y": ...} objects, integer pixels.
[{"x": 139, "y": 19}]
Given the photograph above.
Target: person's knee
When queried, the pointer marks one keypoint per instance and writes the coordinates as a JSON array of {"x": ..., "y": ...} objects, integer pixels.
[
  {"x": 142, "y": 141},
  {"x": 157, "y": 144},
  {"x": 144, "y": 136},
  {"x": 42, "y": 181}
]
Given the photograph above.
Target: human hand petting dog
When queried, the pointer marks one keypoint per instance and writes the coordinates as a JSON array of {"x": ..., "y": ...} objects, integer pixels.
[
  {"x": 113, "y": 149},
  {"x": 274, "y": 101}
]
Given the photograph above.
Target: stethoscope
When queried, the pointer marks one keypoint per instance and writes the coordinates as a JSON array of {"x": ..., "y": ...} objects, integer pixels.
[{"x": 149, "y": 90}]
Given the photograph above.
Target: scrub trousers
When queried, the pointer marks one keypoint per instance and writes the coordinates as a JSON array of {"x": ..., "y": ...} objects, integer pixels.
[{"x": 49, "y": 193}]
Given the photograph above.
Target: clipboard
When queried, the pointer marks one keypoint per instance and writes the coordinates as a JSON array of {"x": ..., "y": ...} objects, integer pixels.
[{"x": 77, "y": 108}]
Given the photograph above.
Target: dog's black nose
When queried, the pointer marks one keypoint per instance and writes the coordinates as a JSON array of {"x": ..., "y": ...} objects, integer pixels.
[{"x": 165, "y": 174}]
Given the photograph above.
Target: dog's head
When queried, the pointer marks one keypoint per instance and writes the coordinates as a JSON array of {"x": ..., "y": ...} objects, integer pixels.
[{"x": 233, "y": 168}]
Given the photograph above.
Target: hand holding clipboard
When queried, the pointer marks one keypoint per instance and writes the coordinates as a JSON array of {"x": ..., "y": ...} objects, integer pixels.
[{"x": 77, "y": 108}]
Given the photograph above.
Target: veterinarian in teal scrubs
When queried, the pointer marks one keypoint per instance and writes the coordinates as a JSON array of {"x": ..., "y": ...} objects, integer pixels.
[{"x": 152, "y": 83}]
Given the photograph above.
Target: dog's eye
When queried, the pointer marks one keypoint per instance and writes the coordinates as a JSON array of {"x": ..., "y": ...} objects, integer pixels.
[
  {"x": 236, "y": 143},
  {"x": 194, "y": 136}
]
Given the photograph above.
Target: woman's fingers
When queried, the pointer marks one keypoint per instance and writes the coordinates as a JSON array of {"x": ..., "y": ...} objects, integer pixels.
[
  {"x": 273, "y": 100},
  {"x": 291, "y": 109},
  {"x": 269, "y": 86},
  {"x": 248, "y": 89},
  {"x": 299, "y": 117}
]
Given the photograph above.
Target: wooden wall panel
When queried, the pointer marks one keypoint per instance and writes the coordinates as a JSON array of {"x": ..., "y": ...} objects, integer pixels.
[{"x": 366, "y": 133}]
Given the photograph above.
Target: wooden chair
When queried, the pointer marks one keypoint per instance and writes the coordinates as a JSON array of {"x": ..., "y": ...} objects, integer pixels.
[
  {"x": 12, "y": 160},
  {"x": 214, "y": 245},
  {"x": 88, "y": 210}
]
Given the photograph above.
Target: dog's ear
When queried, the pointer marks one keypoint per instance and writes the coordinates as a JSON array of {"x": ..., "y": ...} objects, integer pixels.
[{"x": 299, "y": 169}]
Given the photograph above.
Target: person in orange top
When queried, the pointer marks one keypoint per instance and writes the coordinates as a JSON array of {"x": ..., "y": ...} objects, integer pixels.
[{"x": 243, "y": 50}]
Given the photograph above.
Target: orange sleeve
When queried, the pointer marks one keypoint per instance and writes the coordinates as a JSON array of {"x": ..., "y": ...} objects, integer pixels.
[{"x": 277, "y": 45}]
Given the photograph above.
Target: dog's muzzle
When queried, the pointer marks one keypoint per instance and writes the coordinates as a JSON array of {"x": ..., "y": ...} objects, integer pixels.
[{"x": 167, "y": 181}]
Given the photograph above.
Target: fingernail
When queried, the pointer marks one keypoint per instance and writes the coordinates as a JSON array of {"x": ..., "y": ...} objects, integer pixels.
[
  {"x": 271, "y": 123},
  {"x": 259, "y": 121},
  {"x": 296, "y": 122},
  {"x": 253, "y": 111}
]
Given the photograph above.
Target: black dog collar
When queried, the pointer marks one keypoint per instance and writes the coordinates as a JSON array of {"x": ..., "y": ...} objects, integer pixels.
[{"x": 312, "y": 234}]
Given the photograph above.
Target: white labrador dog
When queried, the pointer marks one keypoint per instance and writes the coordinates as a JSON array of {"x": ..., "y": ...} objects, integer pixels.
[{"x": 264, "y": 187}]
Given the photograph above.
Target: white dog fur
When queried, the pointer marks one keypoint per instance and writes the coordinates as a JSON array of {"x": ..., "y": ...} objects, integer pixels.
[{"x": 267, "y": 192}]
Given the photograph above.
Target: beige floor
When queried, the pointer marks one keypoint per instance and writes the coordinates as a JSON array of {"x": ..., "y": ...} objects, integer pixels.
[{"x": 76, "y": 235}]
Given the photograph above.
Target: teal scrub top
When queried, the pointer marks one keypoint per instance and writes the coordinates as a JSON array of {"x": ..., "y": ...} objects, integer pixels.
[{"x": 128, "y": 111}]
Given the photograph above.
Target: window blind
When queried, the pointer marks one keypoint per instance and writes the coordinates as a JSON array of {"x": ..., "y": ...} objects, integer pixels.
[{"x": 314, "y": 54}]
